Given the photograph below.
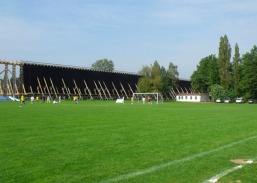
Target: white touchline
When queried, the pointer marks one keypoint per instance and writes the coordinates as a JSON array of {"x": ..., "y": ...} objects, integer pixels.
[
  {"x": 189, "y": 158},
  {"x": 217, "y": 177}
]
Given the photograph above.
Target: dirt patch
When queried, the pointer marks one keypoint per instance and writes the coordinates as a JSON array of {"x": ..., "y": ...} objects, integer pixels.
[
  {"x": 236, "y": 181},
  {"x": 242, "y": 161}
]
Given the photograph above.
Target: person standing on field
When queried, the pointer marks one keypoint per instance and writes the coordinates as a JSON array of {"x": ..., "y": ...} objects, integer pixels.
[
  {"x": 43, "y": 98},
  {"x": 32, "y": 99},
  {"x": 149, "y": 100},
  {"x": 132, "y": 100},
  {"x": 48, "y": 99},
  {"x": 75, "y": 99},
  {"x": 143, "y": 99},
  {"x": 22, "y": 100}
]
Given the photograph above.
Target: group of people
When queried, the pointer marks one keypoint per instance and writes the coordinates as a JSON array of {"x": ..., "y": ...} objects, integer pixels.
[
  {"x": 32, "y": 99},
  {"x": 143, "y": 100},
  {"x": 75, "y": 99}
]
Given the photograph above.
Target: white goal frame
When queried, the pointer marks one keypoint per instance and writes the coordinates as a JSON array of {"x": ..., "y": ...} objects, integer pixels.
[{"x": 156, "y": 95}]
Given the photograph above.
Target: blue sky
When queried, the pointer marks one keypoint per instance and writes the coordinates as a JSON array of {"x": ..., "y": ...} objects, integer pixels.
[{"x": 132, "y": 33}]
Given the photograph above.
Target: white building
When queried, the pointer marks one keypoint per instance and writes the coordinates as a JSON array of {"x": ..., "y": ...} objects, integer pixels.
[{"x": 192, "y": 97}]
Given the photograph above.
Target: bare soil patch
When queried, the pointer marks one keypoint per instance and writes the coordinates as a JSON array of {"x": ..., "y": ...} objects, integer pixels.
[{"x": 242, "y": 161}]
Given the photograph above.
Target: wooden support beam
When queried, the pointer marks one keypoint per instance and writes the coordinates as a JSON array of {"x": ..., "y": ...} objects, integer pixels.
[
  {"x": 10, "y": 88},
  {"x": 178, "y": 90},
  {"x": 182, "y": 90},
  {"x": 115, "y": 90},
  {"x": 107, "y": 90},
  {"x": 17, "y": 91},
  {"x": 66, "y": 89},
  {"x": 103, "y": 90},
  {"x": 186, "y": 89},
  {"x": 88, "y": 89},
  {"x": 136, "y": 87},
  {"x": 39, "y": 84},
  {"x": 124, "y": 90},
  {"x": 130, "y": 89},
  {"x": 53, "y": 88},
  {"x": 31, "y": 91},
  {"x": 99, "y": 92},
  {"x": 24, "y": 91},
  {"x": 76, "y": 88},
  {"x": 47, "y": 88}
]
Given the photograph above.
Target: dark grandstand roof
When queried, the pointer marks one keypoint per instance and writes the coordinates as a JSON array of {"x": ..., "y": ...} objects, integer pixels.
[
  {"x": 74, "y": 67},
  {"x": 22, "y": 62}
]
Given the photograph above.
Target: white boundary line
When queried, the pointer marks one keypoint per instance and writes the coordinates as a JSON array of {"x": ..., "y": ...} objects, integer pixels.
[
  {"x": 222, "y": 174},
  {"x": 217, "y": 177},
  {"x": 163, "y": 165}
]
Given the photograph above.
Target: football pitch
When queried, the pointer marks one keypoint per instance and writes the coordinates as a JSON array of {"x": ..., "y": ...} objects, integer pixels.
[{"x": 104, "y": 142}]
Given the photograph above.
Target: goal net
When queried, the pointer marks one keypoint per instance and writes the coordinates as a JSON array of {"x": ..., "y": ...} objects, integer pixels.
[{"x": 148, "y": 97}]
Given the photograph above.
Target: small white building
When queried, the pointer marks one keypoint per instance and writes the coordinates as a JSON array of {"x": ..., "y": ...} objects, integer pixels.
[{"x": 192, "y": 97}]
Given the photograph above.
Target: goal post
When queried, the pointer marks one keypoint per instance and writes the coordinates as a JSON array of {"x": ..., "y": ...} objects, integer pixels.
[{"x": 157, "y": 96}]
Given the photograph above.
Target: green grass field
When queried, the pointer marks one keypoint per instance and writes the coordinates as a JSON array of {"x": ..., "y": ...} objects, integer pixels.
[{"x": 100, "y": 141}]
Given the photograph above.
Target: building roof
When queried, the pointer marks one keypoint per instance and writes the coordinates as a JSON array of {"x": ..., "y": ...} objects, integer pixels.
[{"x": 191, "y": 94}]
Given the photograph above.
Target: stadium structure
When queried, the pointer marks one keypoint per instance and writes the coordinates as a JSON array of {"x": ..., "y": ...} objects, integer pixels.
[{"x": 41, "y": 79}]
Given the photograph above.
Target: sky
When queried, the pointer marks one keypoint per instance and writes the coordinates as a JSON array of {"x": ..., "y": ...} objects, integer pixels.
[{"x": 131, "y": 33}]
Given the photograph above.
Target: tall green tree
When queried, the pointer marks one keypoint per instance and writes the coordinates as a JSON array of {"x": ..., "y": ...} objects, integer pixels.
[
  {"x": 199, "y": 78},
  {"x": 172, "y": 74},
  {"x": 156, "y": 69},
  {"x": 213, "y": 70},
  {"x": 224, "y": 62},
  {"x": 218, "y": 91},
  {"x": 236, "y": 71},
  {"x": 145, "y": 83},
  {"x": 156, "y": 76},
  {"x": 158, "y": 79},
  {"x": 165, "y": 90},
  {"x": 103, "y": 65},
  {"x": 206, "y": 74},
  {"x": 249, "y": 76}
]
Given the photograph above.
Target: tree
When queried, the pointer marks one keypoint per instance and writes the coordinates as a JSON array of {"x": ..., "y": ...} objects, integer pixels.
[
  {"x": 236, "y": 71},
  {"x": 145, "y": 83},
  {"x": 217, "y": 91},
  {"x": 206, "y": 74},
  {"x": 249, "y": 76},
  {"x": 156, "y": 69},
  {"x": 224, "y": 62},
  {"x": 172, "y": 74},
  {"x": 213, "y": 70},
  {"x": 165, "y": 87},
  {"x": 103, "y": 65},
  {"x": 157, "y": 79},
  {"x": 156, "y": 76}
]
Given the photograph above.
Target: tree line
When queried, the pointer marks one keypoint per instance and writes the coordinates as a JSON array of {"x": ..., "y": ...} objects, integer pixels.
[
  {"x": 224, "y": 78},
  {"x": 221, "y": 77},
  {"x": 155, "y": 78}
]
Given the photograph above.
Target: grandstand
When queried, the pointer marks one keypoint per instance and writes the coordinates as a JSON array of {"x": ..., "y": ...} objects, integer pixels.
[{"x": 36, "y": 78}]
